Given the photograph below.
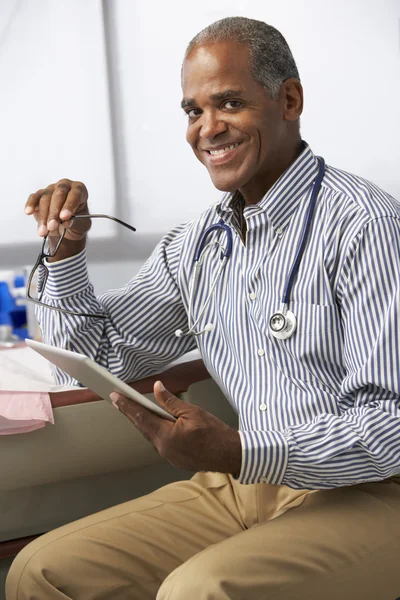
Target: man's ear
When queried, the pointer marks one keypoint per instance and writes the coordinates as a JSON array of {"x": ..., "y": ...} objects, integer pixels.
[{"x": 291, "y": 98}]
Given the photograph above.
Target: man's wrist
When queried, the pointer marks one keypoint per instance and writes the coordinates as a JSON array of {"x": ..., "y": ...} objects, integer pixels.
[
  {"x": 235, "y": 454},
  {"x": 265, "y": 455},
  {"x": 67, "y": 277}
]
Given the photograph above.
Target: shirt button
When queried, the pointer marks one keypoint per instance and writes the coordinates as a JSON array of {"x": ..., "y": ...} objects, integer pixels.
[
  {"x": 263, "y": 406},
  {"x": 260, "y": 352},
  {"x": 263, "y": 480},
  {"x": 279, "y": 231},
  {"x": 253, "y": 296}
]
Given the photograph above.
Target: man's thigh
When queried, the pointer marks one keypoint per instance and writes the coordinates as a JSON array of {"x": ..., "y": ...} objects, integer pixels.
[
  {"x": 125, "y": 552},
  {"x": 342, "y": 543}
]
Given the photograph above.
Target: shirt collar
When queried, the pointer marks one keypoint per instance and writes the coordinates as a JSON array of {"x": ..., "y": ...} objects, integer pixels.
[{"x": 283, "y": 197}]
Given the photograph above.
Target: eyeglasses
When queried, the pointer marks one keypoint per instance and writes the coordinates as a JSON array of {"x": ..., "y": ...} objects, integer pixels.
[{"x": 41, "y": 271}]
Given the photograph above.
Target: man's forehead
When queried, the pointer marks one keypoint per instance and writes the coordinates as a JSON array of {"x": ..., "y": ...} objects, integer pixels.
[{"x": 214, "y": 69}]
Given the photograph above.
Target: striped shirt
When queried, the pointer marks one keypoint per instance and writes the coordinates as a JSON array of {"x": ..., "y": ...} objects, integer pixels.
[{"x": 318, "y": 410}]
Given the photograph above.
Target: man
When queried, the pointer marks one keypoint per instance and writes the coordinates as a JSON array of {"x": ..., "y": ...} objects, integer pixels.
[{"x": 302, "y": 502}]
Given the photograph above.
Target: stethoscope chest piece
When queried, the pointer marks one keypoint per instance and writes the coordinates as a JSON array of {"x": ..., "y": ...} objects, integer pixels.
[{"x": 282, "y": 326}]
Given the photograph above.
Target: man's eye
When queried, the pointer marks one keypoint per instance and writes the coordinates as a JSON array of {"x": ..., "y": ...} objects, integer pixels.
[
  {"x": 193, "y": 113},
  {"x": 231, "y": 104}
]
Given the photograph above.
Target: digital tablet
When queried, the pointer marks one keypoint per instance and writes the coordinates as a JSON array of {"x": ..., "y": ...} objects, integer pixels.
[{"x": 93, "y": 376}]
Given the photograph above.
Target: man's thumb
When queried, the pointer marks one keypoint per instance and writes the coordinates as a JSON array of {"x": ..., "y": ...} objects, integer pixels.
[{"x": 171, "y": 403}]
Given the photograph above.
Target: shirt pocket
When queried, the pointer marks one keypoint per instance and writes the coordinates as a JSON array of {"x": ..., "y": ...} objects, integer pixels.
[{"x": 314, "y": 353}]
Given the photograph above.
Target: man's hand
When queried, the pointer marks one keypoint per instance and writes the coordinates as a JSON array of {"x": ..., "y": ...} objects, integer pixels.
[
  {"x": 197, "y": 440},
  {"x": 60, "y": 201}
]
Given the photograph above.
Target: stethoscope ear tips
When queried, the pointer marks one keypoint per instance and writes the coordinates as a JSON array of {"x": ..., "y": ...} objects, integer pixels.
[{"x": 179, "y": 333}]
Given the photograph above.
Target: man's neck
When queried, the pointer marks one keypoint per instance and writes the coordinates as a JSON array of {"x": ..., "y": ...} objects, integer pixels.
[{"x": 256, "y": 190}]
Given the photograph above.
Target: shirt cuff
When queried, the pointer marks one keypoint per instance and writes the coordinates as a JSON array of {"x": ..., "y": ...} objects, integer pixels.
[
  {"x": 67, "y": 277},
  {"x": 265, "y": 455}
]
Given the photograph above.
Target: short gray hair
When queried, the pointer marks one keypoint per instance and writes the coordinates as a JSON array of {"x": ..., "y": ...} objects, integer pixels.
[{"x": 271, "y": 61}]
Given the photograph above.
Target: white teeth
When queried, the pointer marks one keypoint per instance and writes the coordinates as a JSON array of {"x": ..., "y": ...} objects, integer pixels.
[{"x": 222, "y": 150}]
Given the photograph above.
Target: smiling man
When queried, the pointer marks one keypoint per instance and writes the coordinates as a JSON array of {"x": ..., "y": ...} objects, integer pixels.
[
  {"x": 302, "y": 502},
  {"x": 245, "y": 138}
]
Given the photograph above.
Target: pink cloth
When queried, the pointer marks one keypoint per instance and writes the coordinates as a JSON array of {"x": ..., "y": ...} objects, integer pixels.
[{"x": 21, "y": 412}]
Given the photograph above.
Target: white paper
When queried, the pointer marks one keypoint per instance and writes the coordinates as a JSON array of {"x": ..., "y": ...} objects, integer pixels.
[{"x": 23, "y": 370}]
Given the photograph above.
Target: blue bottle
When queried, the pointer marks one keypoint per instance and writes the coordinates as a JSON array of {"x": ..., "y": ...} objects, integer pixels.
[
  {"x": 18, "y": 314},
  {"x": 6, "y": 324},
  {"x": 13, "y": 326}
]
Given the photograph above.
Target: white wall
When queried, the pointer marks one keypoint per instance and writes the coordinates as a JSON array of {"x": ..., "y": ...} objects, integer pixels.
[
  {"x": 348, "y": 54},
  {"x": 349, "y": 61},
  {"x": 54, "y": 106}
]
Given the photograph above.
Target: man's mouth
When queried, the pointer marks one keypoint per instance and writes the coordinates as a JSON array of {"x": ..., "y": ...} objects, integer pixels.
[
  {"x": 222, "y": 155},
  {"x": 225, "y": 149}
]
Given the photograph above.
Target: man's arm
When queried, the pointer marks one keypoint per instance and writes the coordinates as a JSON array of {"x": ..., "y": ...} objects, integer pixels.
[
  {"x": 362, "y": 441},
  {"x": 136, "y": 337}
]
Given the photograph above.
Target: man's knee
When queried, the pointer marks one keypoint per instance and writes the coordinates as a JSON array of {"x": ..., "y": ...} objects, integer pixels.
[
  {"x": 32, "y": 571},
  {"x": 200, "y": 577}
]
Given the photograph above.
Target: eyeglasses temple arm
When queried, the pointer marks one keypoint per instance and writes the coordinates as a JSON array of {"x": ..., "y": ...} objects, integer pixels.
[{"x": 98, "y": 216}]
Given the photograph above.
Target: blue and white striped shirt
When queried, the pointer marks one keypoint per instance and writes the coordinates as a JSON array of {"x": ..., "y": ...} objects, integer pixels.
[{"x": 318, "y": 410}]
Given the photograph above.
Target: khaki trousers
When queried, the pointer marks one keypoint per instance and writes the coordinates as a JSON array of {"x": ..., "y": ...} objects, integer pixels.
[{"x": 211, "y": 538}]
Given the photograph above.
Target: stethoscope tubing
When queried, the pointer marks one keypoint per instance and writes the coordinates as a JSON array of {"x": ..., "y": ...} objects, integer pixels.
[
  {"x": 305, "y": 231},
  {"x": 200, "y": 246}
]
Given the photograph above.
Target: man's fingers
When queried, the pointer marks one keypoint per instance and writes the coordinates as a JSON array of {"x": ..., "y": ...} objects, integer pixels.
[
  {"x": 32, "y": 202},
  {"x": 43, "y": 211},
  {"x": 60, "y": 202},
  {"x": 148, "y": 423},
  {"x": 69, "y": 198},
  {"x": 75, "y": 201},
  {"x": 60, "y": 194}
]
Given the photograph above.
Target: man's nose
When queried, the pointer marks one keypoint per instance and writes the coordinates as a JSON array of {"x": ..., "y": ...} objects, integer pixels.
[{"x": 212, "y": 125}]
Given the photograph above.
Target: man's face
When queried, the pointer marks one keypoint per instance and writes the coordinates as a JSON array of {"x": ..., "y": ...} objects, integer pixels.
[{"x": 234, "y": 129}]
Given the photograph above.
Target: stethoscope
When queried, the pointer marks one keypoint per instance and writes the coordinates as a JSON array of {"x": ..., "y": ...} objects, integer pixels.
[{"x": 283, "y": 323}]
